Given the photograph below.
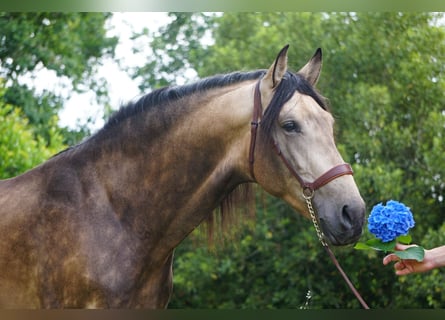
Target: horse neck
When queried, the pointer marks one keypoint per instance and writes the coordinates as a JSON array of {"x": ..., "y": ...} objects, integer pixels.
[{"x": 164, "y": 184}]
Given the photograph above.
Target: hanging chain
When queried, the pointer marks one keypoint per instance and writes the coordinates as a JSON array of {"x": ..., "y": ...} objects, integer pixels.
[{"x": 308, "y": 197}]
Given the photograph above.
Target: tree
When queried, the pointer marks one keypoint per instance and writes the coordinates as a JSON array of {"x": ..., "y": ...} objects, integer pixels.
[
  {"x": 384, "y": 76},
  {"x": 20, "y": 148},
  {"x": 179, "y": 44},
  {"x": 70, "y": 44}
]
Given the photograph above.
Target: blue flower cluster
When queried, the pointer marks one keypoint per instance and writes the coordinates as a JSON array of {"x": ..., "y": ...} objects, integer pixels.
[{"x": 390, "y": 221}]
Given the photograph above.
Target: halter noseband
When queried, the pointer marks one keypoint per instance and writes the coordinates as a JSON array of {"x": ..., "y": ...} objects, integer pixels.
[{"x": 308, "y": 187}]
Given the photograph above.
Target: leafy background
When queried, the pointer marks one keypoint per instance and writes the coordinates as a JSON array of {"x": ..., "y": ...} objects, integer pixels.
[{"x": 384, "y": 76}]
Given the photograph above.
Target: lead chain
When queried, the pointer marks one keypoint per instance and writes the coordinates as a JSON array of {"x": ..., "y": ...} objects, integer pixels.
[{"x": 320, "y": 234}]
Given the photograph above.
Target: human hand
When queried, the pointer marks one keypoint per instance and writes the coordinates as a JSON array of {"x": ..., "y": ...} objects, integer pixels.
[{"x": 408, "y": 266}]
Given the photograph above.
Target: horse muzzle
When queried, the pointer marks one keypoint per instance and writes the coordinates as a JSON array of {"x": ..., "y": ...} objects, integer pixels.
[{"x": 345, "y": 226}]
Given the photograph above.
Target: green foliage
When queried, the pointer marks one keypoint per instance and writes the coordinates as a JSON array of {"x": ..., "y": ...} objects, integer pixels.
[
  {"x": 20, "y": 148},
  {"x": 384, "y": 76},
  {"x": 392, "y": 119},
  {"x": 172, "y": 48},
  {"x": 39, "y": 109},
  {"x": 70, "y": 44}
]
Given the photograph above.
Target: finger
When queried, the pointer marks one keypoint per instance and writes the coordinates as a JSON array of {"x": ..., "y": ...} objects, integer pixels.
[
  {"x": 402, "y": 269},
  {"x": 399, "y": 265},
  {"x": 403, "y": 272},
  {"x": 389, "y": 258}
]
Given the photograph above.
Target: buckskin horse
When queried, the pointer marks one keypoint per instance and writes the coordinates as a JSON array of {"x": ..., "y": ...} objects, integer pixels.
[{"x": 96, "y": 225}]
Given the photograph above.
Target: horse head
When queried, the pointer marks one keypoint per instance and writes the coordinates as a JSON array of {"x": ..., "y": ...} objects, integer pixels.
[{"x": 297, "y": 124}]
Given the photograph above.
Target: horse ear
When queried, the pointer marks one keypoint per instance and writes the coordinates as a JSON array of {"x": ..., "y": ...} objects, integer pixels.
[
  {"x": 311, "y": 71},
  {"x": 273, "y": 76},
  {"x": 276, "y": 72}
]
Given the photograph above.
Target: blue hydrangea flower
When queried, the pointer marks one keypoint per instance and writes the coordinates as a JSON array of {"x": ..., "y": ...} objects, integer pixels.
[{"x": 390, "y": 221}]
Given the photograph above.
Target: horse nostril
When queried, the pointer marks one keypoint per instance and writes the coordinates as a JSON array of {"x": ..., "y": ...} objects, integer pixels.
[{"x": 346, "y": 215}]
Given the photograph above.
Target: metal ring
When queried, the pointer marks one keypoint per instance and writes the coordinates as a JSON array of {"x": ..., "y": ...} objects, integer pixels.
[{"x": 308, "y": 193}]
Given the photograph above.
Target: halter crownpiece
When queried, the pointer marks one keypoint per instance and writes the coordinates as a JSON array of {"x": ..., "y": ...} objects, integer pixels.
[
  {"x": 308, "y": 187},
  {"x": 257, "y": 111}
]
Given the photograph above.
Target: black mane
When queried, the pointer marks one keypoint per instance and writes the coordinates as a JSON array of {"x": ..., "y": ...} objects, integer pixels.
[
  {"x": 167, "y": 95},
  {"x": 290, "y": 83}
]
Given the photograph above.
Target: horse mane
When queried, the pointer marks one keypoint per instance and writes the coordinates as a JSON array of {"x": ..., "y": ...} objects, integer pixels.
[{"x": 162, "y": 97}]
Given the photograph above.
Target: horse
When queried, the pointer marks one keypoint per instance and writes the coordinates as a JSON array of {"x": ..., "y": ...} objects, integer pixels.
[{"x": 96, "y": 225}]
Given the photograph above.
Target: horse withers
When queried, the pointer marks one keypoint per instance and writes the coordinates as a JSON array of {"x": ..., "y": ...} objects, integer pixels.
[{"x": 96, "y": 225}]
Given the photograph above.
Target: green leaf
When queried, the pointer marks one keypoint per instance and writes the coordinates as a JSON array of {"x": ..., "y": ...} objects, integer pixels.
[
  {"x": 406, "y": 239},
  {"x": 362, "y": 246},
  {"x": 412, "y": 253},
  {"x": 383, "y": 246},
  {"x": 376, "y": 244}
]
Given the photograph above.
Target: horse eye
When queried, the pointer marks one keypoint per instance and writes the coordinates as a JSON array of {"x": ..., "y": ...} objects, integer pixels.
[{"x": 291, "y": 126}]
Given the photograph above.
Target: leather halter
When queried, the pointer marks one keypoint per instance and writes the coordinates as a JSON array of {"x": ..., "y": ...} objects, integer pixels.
[{"x": 308, "y": 187}]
